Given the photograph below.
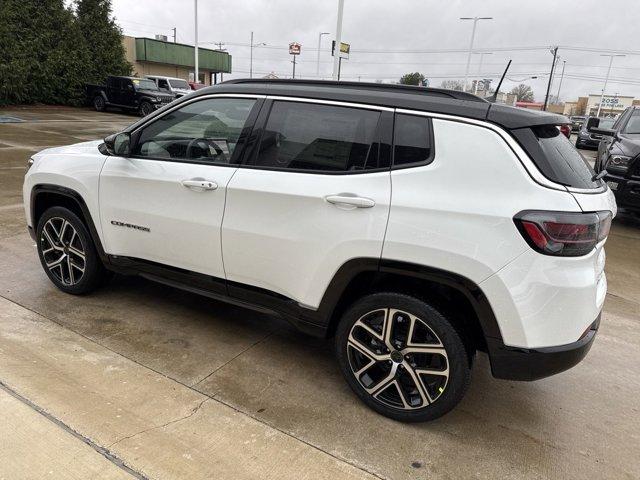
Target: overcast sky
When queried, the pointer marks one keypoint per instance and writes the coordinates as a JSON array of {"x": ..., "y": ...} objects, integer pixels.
[{"x": 380, "y": 32}]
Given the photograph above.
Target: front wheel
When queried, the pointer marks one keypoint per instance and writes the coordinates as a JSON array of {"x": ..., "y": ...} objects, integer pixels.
[
  {"x": 146, "y": 109},
  {"x": 402, "y": 357},
  {"x": 99, "y": 103},
  {"x": 67, "y": 252}
]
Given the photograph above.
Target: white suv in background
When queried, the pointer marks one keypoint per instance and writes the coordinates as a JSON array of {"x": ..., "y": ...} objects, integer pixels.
[
  {"x": 178, "y": 86},
  {"x": 414, "y": 226}
]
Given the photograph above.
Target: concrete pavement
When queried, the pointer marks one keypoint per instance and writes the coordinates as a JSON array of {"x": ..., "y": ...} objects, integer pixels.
[{"x": 177, "y": 386}]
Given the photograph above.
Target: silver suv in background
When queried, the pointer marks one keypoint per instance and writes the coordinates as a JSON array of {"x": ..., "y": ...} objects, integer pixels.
[{"x": 177, "y": 86}]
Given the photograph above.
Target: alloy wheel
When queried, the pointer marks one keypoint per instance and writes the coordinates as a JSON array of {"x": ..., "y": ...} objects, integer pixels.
[
  {"x": 398, "y": 359},
  {"x": 62, "y": 250}
]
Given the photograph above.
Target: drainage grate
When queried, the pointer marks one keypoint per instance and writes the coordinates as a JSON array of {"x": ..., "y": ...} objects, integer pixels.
[{"x": 5, "y": 119}]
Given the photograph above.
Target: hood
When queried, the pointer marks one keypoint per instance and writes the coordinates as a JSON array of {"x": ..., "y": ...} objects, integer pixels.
[
  {"x": 156, "y": 93},
  {"x": 629, "y": 143},
  {"x": 76, "y": 148}
]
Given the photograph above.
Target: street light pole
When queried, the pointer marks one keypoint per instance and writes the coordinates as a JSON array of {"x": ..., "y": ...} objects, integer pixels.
[
  {"x": 336, "y": 53},
  {"x": 482, "y": 54},
  {"x": 606, "y": 80},
  {"x": 196, "y": 42},
  {"x": 319, "y": 46},
  {"x": 564, "y": 64},
  {"x": 473, "y": 35}
]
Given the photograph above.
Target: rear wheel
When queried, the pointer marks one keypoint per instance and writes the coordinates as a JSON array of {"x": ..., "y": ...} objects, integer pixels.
[
  {"x": 402, "y": 357},
  {"x": 99, "y": 103},
  {"x": 67, "y": 252}
]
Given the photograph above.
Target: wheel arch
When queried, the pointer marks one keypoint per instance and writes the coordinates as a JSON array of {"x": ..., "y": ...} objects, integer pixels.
[
  {"x": 461, "y": 299},
  {"x": 44, "y": 196}
]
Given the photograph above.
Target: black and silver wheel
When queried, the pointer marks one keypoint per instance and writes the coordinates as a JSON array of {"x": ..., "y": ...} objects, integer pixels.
[
  {"x": 67, "y": 252},
  {"x": 146, "y": 108},
  {"x": 402, "y": 357},
  {"x": 98, "y": 103}
]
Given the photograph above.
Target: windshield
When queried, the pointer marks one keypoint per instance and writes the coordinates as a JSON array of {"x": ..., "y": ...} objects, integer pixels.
[
  {"x": 633, "y": 125},
  {"x": 179, "y": 84},
  {"x": 141, "y": 84}
]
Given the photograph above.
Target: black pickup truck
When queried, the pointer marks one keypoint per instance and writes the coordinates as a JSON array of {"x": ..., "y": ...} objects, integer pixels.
[
  {"x": 129, "y": 93},
  {"x": 619, "y": 155}
]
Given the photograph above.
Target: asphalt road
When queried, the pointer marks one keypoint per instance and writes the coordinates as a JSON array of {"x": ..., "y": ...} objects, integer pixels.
[{"x": 142, "y": 381}]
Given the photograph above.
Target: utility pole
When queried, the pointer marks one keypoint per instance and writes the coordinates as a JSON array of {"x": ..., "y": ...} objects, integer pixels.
[
  {"x": 606, "y": 80},
  {"x": 251, "y": 45},
  {"x": 294, "y": 66},
  {"x": 473, "y": 35},
  {"x": 220, "y": 44},
  {"x": 319, "y": 46},
  {"x": 564, "y": 64},
  {"x": 336, "y": 53},
  {"x": 174, "y": 34},
  {"x": 339, "y": 67},
  {"x": 554, "y": 50},
  {"x": 196, "y": 79}
]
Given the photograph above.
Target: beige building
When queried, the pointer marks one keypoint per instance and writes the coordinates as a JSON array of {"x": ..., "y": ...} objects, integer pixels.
[{"x": 156, "y": 57}]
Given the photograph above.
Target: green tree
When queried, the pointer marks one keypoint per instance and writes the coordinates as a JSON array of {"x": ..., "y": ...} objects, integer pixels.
[
  {"x": 452, "y": 85},
  {"x": 523, "y": 93},
  {"x": 415, "y": 78},
  {"x": 102, "y": 39},
  {"x": 39, "y": 56}
]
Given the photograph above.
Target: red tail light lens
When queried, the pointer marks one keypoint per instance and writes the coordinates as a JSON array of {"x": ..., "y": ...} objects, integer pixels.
[
  {"x": 563, "y": 234},
  {"x": 565, "y": 130}
]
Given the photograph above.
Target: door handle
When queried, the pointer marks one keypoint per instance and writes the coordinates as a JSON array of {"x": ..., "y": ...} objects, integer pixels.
[
  {"x": 198, "y": 184},
  {"x": 351, "y": 200}
]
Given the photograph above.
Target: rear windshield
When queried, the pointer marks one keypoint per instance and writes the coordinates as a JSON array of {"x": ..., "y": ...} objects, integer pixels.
[
  {"x": 556, "y": 157},
  {"x": 179, "y": 84}
]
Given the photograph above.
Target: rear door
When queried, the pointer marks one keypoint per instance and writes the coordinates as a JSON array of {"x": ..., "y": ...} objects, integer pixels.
[
  {"x": 165, "y": 203},
  {"x": 314, "y": 194}
]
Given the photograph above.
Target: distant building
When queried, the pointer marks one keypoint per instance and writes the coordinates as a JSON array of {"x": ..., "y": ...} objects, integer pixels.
[
  {"x": 157, "y": 57},
  {"x": 612, "y": 105}
]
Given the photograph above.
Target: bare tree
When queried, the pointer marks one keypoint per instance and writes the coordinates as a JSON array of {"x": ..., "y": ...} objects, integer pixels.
[
  {"x": 523, "y": 93},
  {"x": 452, "y": 85}
]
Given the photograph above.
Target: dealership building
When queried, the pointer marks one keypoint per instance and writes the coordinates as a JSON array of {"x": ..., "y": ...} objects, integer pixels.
[
  {"x": 612, "y": 105},
  {"x": 158, "y": 57}
]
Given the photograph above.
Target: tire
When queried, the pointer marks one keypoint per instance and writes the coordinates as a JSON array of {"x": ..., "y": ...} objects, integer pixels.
[
  {"x": 387, "y": 384},
  {"x": 67, "y": 252},
  {"x": 99, "y": 103},
  {"x": 578, "y": 144},
  {"x": 145, "y": 109}
]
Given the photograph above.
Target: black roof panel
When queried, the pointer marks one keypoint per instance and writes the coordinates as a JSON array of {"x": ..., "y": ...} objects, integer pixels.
[{"x": 436, "y": 100}]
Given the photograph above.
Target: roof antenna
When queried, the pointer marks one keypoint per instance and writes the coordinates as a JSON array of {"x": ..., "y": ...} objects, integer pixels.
[{"x": 494, "y": 97}]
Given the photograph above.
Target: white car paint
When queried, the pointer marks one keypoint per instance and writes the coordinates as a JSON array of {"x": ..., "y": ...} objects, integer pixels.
[{"x": 278, "y": 231}]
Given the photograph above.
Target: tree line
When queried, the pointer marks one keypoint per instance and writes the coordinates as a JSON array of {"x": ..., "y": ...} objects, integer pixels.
[
  {"x": 522, "y": 92},
  {"x": 48, "y": 50}
]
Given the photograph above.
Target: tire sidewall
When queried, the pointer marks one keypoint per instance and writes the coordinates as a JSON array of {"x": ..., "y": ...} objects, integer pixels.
[
  {"x": 142, "y": 108},
  {"x": 98, "y": 103},
  {"x": 94, "y": 269},
  {"x": 459, "y": 367}
]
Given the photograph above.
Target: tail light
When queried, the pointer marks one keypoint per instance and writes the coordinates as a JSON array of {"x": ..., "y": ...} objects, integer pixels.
[
  {"x": 563, "y": 234},
  {"x": 565, "y": 130}
]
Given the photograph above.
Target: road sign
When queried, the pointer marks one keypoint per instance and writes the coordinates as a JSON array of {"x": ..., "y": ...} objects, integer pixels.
[
  {"x": 345, "y": 48},
  {"x": 294, "y": 48}
]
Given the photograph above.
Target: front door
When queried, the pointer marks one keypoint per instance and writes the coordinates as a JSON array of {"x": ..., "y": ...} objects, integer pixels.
[
  {"x": 314, "y": 195},
  {"x": 165, "y": 202}
]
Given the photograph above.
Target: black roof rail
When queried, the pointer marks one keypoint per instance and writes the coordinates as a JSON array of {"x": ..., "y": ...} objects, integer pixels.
[{"x": 438, "y": 92}]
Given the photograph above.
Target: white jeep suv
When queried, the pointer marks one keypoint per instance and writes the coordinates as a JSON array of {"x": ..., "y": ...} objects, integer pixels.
[{"x": 414, "y": 226}]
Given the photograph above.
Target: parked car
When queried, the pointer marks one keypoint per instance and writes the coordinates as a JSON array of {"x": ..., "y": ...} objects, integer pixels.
[
  {"x": 565, "y": 129},
  {"x": 128, "y": 93},
  {"x": 414, "y": 226},
  {"x": 576, "y": 122},
  {"x": 196, "y": 86},
  {"x": 587, "y": 139},
  {"x": 619, "y": 155},
  {"x": 176, "y": 86}
]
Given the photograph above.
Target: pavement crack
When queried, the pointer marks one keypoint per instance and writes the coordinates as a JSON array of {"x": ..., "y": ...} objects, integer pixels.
[
  {"x": 157, "y": 427},
  {"x": 231, "y": 360}
]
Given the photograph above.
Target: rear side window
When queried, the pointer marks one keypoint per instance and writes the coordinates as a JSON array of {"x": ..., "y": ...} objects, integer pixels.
[
  {"x": 556, "y": 157},
  {"x": 320, "y": 138},
  {"x": 412, "y": 140}
]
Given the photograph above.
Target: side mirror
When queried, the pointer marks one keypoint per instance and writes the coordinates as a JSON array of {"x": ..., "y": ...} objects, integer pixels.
[
  {"x": 605, "y": 132},
  {"x": 129, "y": 87},
  {"x": 118, "y": 144},
  {"x": 592, "y": 122}
]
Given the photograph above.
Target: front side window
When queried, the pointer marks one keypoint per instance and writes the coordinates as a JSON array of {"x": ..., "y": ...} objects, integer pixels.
[
  {"x": 204, "y": 131},
  {"x": 321, "y": 138},
  {"x": 633, "y": 125},
  {"x": 412, "y": 140}
]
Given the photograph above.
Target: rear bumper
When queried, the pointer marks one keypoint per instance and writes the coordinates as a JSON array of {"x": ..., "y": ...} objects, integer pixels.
[
  {"x": 627, "y": 192},
  {"x": 512, "y": 363}
]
